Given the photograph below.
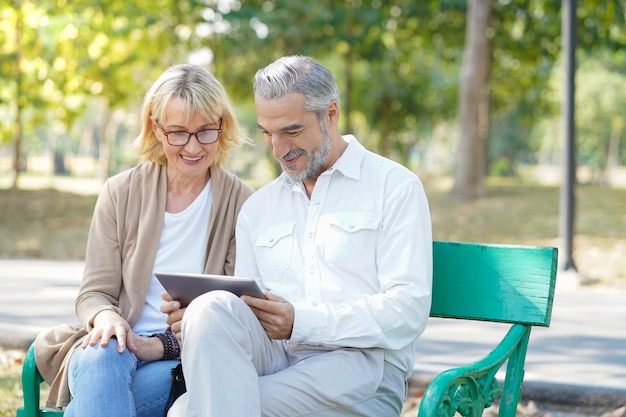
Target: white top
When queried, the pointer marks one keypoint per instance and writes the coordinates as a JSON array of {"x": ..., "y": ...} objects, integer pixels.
[
  {"x": 355, "y": 260},
  {"x": 182, "y": 248}
]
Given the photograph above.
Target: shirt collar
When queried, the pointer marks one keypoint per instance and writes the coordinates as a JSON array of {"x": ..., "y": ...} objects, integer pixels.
[{"x": 349, "y": 162}]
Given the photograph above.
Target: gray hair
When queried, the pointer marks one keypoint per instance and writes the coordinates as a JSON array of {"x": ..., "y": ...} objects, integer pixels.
[{"x": 298, "y": 74}]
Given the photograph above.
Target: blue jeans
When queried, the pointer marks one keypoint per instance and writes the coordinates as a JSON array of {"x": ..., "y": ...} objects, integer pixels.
[{"x": 104, "y": 382}]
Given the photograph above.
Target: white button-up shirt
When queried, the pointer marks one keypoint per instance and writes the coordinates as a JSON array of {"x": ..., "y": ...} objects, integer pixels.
[{"x": 355, "y": 259}]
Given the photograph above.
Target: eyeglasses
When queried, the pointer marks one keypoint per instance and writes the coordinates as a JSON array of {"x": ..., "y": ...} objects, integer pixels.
[{"x": 181, "y": 138}]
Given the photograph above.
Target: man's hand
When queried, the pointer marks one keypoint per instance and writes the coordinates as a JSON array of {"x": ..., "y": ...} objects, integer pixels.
[
  {"x": 275, "y": 314},
  {"x": 174, "y": 314}
]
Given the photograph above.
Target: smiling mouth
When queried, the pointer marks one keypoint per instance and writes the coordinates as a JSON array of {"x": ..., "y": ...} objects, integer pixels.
[
  {"x": 188, "y": 159},
  {"x": 290, "y": 161},
  {"x": 291, "y": 158}
]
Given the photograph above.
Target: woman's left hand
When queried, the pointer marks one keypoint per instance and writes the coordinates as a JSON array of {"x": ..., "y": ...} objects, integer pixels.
[{"x": 145, "y": 348}]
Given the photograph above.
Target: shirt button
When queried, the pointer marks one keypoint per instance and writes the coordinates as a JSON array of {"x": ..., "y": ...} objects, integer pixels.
[{"x": 310, "y": 235}]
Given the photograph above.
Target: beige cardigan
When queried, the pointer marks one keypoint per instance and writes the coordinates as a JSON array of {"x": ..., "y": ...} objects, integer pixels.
[{"x": 121, "y": 250}]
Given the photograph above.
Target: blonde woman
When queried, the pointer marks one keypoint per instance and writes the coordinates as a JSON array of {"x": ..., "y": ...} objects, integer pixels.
[{"x": 174, "y": 212}]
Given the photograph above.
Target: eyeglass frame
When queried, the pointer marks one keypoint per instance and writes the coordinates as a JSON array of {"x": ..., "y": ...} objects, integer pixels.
[{"x": 190, "y": 134}]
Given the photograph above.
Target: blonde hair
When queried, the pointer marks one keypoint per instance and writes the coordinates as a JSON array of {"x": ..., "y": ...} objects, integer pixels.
[{"x": 203, "y": 94}]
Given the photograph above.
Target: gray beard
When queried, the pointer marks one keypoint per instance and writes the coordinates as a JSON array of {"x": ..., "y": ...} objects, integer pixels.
[{"x": 317, "y": 160}]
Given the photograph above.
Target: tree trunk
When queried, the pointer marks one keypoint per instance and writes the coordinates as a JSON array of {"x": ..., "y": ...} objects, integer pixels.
[
  {"x": 471, "y": 158},
  {"x": 104, "y": 148},
  {"x": 17, "y": 133},
  {"x": 17, "y": 145},
  {"x": 347, "y": 98},
  {"x": 612, "y": 157}
]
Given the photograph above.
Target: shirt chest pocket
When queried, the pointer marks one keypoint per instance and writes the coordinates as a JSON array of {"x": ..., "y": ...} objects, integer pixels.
[
  {"x": 274, "y": 249},
  {"x": 349, "y": 239}
]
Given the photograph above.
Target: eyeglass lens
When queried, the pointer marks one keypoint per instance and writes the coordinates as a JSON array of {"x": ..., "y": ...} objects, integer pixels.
[{"x": 205, "y": 137}]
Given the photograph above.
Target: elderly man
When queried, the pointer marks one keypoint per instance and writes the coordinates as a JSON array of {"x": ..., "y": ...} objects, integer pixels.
[{"x": 342, "y": 240}]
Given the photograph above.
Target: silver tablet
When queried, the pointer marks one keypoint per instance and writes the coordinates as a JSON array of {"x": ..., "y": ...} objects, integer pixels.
[{"x": 184, "y": 287}]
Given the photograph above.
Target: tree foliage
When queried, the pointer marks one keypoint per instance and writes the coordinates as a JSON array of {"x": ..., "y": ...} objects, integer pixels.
[
  {"x": 397, "y": 63},
  {"x": 73, "y": 52}
]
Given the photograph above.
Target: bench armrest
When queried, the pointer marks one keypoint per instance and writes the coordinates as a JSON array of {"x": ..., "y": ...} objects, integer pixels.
[
  {"x": 31, "y": 386},
  {"x": 31, "y": 381},
  {"x": 469, "y": 389}
]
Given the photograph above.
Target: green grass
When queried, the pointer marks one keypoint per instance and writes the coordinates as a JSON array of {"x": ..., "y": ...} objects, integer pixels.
[
  {"x": 515, "y": 213},
  {"x": 53, "y": 224},
  {"x": 47, "y": 224},
  {"x": 10, "y": 384}
]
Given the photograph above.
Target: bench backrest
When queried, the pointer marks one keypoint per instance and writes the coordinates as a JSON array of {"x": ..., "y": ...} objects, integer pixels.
[{"x": 504, "y": 283}]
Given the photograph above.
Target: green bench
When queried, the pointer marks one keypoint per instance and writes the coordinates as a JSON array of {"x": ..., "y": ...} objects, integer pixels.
[{"x": 472, "y": 281}]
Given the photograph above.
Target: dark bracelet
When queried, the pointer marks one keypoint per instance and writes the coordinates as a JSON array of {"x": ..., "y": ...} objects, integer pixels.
[
  {"x": 172, "y": 337},
  {"x": 171, "y": 349}
]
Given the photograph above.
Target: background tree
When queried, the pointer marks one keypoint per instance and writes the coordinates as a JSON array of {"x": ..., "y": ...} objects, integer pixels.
[
  {"x": 474, "y": 101},
  {"x": 86, "y": 66},
  {"x": 26, "y": 91},
  {"x": 74, "y": 55},
  {"x": 526, "y": 48},
  {"x": 600, "y": 110},
  {"x": 382, "y": 55}
]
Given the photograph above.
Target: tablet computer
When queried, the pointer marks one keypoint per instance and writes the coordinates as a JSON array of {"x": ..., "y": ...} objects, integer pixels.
[{"x": 184, "y": 287}]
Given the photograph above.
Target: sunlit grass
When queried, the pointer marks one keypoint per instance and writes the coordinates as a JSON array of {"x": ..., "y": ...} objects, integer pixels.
[
  {"x": 10, "y": 384},
  {"x": 47, "y": 223},
  {"x": 52, "y": 224},
  {"x": 515, "y": 213}
]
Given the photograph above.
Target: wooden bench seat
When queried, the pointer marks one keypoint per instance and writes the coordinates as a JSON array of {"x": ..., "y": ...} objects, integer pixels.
[{"x": 471, "y": 281}]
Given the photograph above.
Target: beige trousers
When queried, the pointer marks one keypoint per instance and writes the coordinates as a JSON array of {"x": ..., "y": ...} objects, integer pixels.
[{"x": 232, "y": 369}]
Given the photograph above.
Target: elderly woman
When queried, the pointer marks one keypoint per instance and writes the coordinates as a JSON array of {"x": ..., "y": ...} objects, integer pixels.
[{"x": 175, "y": 212}]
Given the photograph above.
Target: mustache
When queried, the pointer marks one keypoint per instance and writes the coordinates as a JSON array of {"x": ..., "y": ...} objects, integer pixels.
[{"x": 294, "y": 153}]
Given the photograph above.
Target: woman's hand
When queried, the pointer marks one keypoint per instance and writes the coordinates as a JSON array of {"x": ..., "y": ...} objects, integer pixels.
[
  {"x": 108, "y": 324},
  {"x": 147, "y": 348},
  {"x": 174, "y": 315}
]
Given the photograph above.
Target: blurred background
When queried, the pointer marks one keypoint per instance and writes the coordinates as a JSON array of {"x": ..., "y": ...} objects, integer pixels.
[
  {"x": 73, "y": 75},
  {"x": 470, "y": 95}
]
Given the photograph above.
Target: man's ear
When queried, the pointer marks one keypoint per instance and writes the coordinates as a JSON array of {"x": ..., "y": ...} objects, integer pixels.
[{"x": 332, "y": 113}]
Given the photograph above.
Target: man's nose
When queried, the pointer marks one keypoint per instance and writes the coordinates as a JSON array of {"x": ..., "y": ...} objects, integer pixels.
[{"x": 279, "y": 145}]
